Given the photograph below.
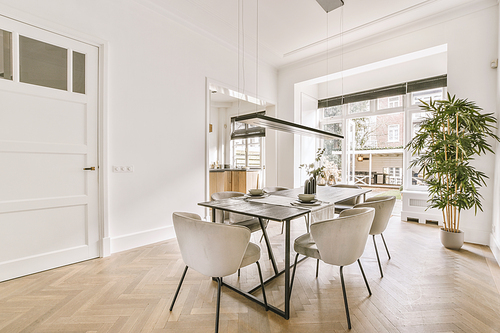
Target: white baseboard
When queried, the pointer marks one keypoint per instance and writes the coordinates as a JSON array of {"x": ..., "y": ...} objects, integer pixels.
[
  {"x": 495, "y": 248},
  {"x": 106, "y": 247},
  {"x": 131, "y": 241}
]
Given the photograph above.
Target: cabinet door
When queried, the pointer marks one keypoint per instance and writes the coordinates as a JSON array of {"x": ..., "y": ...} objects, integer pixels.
[{"x": 228, "y": 181}]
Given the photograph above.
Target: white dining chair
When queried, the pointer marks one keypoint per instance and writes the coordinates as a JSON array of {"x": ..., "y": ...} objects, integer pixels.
[
  {"x": 251, "y": 223},
  {"x": 214, "y": 249},
  {"x": 339, "y": 241},
  {"x": 349, "y": 203},
  {"x": 383, "y": 206}
]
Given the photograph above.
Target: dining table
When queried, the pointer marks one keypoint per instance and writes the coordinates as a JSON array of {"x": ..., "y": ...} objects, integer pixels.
[{"x": 282, "y": 206}]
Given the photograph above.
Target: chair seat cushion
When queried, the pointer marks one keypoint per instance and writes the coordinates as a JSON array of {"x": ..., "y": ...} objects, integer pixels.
[
  {"x": 340, "y": 207},
  {"x": 252, "y": 255},
  {"x": 305, "y": 245},
  {"x": 252, "y": 224}
]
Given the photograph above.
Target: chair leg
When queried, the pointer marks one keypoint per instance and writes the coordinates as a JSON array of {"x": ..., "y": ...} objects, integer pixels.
[
  {"x": 262, "y": 285},
  {"x": 386, "y": 249},
  {"x": 317, "y": 267},
  {"x": 364, "y": 277},
  {"x": 378, "y": 258},
  {"x": 219, "y": 285},
  {"x": 293, "y": 274},
  {"x": 238, "y": 272},
  {"x": 178, "y": 288},
  {"x": 345, "y": 297}
]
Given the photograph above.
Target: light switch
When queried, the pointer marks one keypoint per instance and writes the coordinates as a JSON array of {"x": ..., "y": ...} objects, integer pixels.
[{"x": 123, "y": 169}]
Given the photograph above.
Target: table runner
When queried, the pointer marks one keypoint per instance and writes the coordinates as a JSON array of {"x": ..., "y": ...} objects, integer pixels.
[{"x": 324, "y": 211}]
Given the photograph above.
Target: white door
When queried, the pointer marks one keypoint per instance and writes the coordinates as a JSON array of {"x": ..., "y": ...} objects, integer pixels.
[{"x": 48, "y": 135}]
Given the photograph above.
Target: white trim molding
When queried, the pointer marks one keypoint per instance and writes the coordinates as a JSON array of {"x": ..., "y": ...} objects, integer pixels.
[{"x": 131, "y": 241}]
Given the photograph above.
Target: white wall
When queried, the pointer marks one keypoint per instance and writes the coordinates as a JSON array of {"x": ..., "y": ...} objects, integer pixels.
[
  {"x": 157, "y": 69},
  {"x": 495, "y": 228},
  {"x": 472, "y": 42}
]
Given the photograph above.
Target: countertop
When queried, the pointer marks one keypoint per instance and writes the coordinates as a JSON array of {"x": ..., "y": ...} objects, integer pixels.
[{"x": 232, "y": 169}]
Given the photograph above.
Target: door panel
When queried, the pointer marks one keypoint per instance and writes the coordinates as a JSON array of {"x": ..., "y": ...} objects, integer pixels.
[{"x": 48, "y": 203}]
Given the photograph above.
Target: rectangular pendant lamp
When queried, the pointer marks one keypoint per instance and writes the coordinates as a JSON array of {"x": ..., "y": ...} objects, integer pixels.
[{"x": 258, "y": 119}]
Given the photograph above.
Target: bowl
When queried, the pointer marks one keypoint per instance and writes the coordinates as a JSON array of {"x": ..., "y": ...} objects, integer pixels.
[
  {"x": 306, "y": 197},
  {"x": 256, "y": 191}
]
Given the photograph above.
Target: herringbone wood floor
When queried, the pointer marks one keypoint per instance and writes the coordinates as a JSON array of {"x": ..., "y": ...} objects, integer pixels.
[{"x": 425, "y": 288}]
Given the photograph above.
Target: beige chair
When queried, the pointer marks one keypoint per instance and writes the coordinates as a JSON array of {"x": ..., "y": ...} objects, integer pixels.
[
  {"x": 251, "y": 223},
  {"x": 215, "y": 250},
  {"x": 383, "y": 210},
  {"x": 349, "y": 203},
  {"x": 340, "y": 241}
]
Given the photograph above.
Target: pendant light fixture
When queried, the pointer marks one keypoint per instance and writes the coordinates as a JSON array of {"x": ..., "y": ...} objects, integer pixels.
[{"x": 258, "y": 119}]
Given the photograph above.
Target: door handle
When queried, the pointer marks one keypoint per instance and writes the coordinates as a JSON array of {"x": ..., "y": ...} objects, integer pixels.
[{"x": 89, "y": 169}]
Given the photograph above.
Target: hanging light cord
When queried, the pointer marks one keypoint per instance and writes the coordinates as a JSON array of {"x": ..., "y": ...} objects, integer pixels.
[
  {"x": 257, "y": 59},
  {"x": 342, "y": 49}
]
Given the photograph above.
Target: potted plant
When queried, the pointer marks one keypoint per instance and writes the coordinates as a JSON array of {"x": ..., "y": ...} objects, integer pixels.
[
  {"x": 315, "y": 171},
  {"x": 452, "y": 134}
]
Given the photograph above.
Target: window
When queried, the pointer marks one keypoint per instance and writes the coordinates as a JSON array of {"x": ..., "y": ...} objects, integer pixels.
[
  {"x": 426, "y": 95},
  {"x": 393, "y": 133},
  {"x": 43, "y": 64},
  {"x": 374, "y": 123},
  {"x": 78, "y": 72},
  {"x": 357, "y": 107},
  {"x": 332, "y": 111},
  {"x": 389, "y": 102},
  {"x": 246, "y": 145},
  {"x": 5, "y": 55},
  {"x": 394, "y": 175}
]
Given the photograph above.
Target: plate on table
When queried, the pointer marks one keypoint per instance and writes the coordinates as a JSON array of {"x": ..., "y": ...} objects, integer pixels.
[
  {"x": 314, "y": 202},
  {"x": 256, "y": 196}
]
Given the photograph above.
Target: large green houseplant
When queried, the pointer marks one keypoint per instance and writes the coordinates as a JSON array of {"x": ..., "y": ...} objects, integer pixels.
[{"x": 450, "y": 136}]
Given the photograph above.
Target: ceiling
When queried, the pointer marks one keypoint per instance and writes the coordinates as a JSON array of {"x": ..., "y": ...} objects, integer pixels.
[{"x": 292, "y": 30}]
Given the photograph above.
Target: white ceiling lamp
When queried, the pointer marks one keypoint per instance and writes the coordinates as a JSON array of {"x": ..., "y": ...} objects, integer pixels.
[
  {"x": 261, "y": 120},
  {"x": 329, "y": 5}
]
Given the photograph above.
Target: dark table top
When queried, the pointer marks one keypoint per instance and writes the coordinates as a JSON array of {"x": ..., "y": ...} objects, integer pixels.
[
  {"x": 256, "y": 209},
  {"x": 282, "y": 213},
  {"x": 327, "y": 193}
]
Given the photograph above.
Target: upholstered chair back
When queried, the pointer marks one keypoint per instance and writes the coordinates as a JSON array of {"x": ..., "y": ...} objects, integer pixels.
[
  {"x": 341, "y": 241},
  {"x": 212, "y": 249},
  {"x": 383, "y": 210}
]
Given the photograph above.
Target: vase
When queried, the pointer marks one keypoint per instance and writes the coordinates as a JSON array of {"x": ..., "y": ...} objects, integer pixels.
[{"x": 452, "y": 240}]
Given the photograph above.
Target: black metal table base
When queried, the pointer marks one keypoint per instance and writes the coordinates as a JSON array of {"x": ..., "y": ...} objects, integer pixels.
[{"x": 248, "y": 294}]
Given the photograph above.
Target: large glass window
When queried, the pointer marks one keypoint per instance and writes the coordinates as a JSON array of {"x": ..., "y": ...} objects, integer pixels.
[
  {"x": 5, "y": 55},
  {"x": 375, "y": 132}
]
